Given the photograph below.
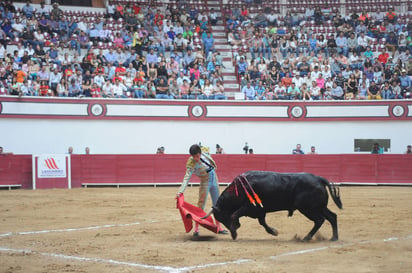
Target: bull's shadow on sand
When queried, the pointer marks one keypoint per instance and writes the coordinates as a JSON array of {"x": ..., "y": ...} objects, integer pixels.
[{"x": 318, "y": 237}]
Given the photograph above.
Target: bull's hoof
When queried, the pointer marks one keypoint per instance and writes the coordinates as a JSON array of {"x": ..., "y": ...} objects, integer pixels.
[
  {"x": 307, "y": 238},
  {"x": 334, "y": 239},
  {"x": 233, "y": 234},
  {"x": 272, "y": 231}
]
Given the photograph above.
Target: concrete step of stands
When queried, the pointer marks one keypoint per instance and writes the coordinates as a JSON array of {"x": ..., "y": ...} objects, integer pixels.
[
  {"x": 218, "y": 28},
  {"x": 230, "y": 78},
  {"x": 215, "y": 6},
  {"x": 219, "y": 34},
  {"x": 230, "y": 70},
  {"x": 227, "y": 64},
  {"x": 220, "y": 41},
  {"x": 226, "y": 55},
  {"x": 223, "y": 47},
  {"x": 231, "y": 85}
]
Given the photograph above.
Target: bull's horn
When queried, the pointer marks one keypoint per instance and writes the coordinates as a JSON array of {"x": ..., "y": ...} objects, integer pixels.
[{"x": 208, "y": 214}]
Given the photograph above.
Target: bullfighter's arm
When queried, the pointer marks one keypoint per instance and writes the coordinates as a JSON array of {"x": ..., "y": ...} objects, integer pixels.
[{"x": 190, "y": 166}]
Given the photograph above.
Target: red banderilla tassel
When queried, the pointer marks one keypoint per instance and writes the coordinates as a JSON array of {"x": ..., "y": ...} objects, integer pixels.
[
  {"x": 254, "y": 193},
  {"x": 258, "y": 199},
  {"x": 251, "y": 200}
]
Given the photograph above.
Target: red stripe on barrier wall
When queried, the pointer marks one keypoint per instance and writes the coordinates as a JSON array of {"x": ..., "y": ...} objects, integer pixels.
[{"x": 158, "y": 169}]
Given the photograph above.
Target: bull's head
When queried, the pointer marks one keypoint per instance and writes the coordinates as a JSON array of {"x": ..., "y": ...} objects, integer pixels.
[{"x": 221, "y": 216}]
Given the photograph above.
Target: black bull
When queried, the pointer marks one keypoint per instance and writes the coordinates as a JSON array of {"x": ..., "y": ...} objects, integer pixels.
[{"x": 304, "y": 192}]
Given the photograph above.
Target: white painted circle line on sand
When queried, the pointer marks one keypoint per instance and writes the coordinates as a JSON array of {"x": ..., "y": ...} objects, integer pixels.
[{"x": 170, "y": 269}]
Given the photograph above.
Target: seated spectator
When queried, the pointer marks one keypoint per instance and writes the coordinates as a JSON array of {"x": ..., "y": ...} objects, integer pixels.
[
  {"x": 280, "y": 92},
  {"x": 392, "y": 43},
  {"x": 337, "y": 92},
  {"x": 374, "y": 93},
  {"x": 219, "y": 91},
  {"x": 162, "y": 90},
  {"x": 315, "y": 91},
  {"x": 260, "y": 19},
  {"x": 249, "y": 91},
  {"x": 294, "y": 92}
]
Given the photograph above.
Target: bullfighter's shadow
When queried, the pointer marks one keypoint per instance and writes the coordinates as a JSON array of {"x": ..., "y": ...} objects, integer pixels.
[{"x": 201, "y": 238}]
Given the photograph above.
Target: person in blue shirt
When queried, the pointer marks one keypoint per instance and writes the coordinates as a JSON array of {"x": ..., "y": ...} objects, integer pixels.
[
  {"x": 405, "y": 80},
  {"x": 208, "y": 43},
  {"x": 377, "y": 149},
  {"x": 241, "y": 67}
]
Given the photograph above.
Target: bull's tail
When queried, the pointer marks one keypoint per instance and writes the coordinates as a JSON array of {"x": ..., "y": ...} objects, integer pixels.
[{"x": 334, "y": 192}]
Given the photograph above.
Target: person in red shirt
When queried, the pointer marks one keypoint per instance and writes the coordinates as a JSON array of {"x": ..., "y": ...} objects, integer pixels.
[
  {"x": 136, "y": 8},
  {"x": 391, "y": 15},
  {"x": 158, "y": 18},
  {"x": 383, "y": 57},
  {"x": 44, "y": 89},
  {"x": 95, "y": 91}
]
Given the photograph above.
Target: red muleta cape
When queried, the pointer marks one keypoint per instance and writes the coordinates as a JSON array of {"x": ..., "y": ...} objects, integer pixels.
[{"x": 190, "y": 212}]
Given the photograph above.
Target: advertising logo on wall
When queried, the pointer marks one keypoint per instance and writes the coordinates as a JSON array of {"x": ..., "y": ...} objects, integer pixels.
[{"x": 51, "y": 166}]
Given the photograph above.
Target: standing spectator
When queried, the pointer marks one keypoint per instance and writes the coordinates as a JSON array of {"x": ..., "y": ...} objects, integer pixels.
[
  {"x": 208, "y": 43},
  {"x": 54, "y": 80},
  {"x": 376, "y": 149},
  {"x": 313, "y": 150},
  {"x": 298, "y": 150},
  {"x": 408, "y": 150},
  {"x": 61, "y": 88},
  {"x": 213, "y": 17}
]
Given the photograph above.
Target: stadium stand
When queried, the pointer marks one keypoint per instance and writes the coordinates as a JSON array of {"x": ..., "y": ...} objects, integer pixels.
[{"x": 125, "y": 49}]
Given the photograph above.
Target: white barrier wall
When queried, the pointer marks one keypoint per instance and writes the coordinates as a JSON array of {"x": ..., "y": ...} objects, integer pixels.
[
  {"x": 38, "y": 125},
  {"x": 38, "y": 136}
]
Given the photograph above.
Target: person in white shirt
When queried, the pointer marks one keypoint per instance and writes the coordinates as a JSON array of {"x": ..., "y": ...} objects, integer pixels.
[
  {"x": 363, "y": 42},
  {"x": 99, "y": 80},
  {"x": 314, "y": 75},
  {"x": 107, "y": 90},
  {"x": 39, "y": 37},
  {"x": 119, "y": 89},
  {"x": 213, "y": 17},
  {"x": 54, "y": 80},
  {"x": 355, "y": 61},
  {"x": 298, "y": 80},
  {"x": 2, "y": 51}
]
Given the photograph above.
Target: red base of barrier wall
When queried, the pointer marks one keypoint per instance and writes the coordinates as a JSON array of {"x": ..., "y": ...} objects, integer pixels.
[{"x": 163, "y": 169}]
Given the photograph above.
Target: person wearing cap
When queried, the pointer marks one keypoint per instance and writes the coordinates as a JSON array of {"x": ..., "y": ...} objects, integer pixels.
[
  {"x": 56, "y": 12},
  {"x": 405, "y": 80}
]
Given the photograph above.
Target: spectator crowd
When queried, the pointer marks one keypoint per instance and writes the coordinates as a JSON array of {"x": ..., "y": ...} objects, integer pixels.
[
  {"x": 168, "y": 52},
  {"x": 119, "y": 55},
  {"x": 321, "y": 55}
]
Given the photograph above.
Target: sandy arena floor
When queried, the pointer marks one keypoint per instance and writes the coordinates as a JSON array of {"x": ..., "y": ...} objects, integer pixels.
[{"x": 140, "y": 230}]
